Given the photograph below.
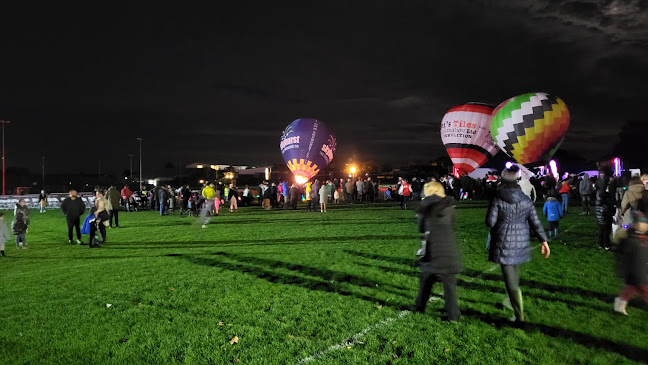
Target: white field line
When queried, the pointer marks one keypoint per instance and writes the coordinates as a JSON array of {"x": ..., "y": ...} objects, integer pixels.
[{"x": 353, "y": 339}]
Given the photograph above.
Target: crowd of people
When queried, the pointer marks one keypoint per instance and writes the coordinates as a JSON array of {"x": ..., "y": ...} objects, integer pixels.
[{"x": 619, "y": 205}]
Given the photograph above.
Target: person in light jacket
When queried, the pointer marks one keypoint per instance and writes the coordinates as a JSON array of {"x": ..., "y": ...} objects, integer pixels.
[{"x": 511, "y": 216}]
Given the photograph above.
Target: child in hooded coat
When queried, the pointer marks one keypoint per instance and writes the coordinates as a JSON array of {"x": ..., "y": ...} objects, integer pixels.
[{"x": 552, "y": 209}]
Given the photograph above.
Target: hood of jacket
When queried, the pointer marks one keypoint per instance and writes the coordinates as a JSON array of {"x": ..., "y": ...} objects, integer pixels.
[
  {"x": 636, "y": 188},
  {"x": 551, "y": 199},
  {"x": 511, "y": 194},
  {"x": 435, "y": 205}
]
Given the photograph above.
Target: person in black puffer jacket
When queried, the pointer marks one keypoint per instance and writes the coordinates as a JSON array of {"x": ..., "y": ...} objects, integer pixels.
[
  {"x": 510, "y": 216},
  {"x": 439, "y": 255},
  {"x": 604, "y": 212}
]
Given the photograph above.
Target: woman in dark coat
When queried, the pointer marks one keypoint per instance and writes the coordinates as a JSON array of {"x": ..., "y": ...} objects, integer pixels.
[
  {"x": 439, "y": 254},
  {"x": 604, "y": 213},
  {"x": 510, "y": 216}
]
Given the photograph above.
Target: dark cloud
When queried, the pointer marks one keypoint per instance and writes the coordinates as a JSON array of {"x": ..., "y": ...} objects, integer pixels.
[{"x": 221, "y": 83}]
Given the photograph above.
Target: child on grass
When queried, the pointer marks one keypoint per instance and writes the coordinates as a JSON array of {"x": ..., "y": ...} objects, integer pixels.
[
  {"x": 4, "y": 234},
  {"x": 553, "y": 211},
  {"x": 633, "y": 262},
  {"x": 20, "y": 223}
]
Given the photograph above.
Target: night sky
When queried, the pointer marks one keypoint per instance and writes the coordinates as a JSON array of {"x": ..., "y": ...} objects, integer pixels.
[{"x": 219, "y": 84}]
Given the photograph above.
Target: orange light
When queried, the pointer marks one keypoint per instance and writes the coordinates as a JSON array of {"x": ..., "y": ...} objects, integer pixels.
[
  {"x": 199, "y": 166},
  {"x": 301, "y": 179},
  {"x": 352, "y": 169},
  {"x": 201, "y": 181}
]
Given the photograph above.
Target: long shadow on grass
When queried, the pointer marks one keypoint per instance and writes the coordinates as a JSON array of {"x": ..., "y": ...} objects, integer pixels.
[
  {"x": 251, "y": 267},
  {"x": 530, "y": 287},
  {"x": 289, "y": 241},
  {"x": 629, "y": 351},
  {"x": 525, "y": 283}
]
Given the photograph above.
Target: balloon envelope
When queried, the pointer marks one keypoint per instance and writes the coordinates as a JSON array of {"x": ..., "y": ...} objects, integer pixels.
[
  {"x": 307, "y": 145},
  {"x": 530, "y": 127},
  {"x": 465, "y": 132}
]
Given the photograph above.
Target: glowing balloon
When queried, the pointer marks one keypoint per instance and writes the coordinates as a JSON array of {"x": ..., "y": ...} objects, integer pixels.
[
  {"x": 530, "y": 127},
  {"x": 307, "y": 145},
  {"x": 465, "y": 132}
]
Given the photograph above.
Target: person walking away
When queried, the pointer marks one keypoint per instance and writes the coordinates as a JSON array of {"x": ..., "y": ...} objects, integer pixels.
[
  {"x": 511, "y": 216},
  {"x": 323, "y": 197},
  {"x": 112, "y": 198},
  {"x": 359, "y": 190},
  {"x": 405, "y": 191},
  {"x": 20, "y": 224},
  {"x": 315, "y": 193},
  {"x": 172, "y": 199},
  {"x": 585, "y": 190},
  {"x": 633, "y": 262},
  {"x": 336, "y": 196},
  {"x": 100, "y": 222},
  {"x": 4, "y": 234},
  {"x": 163, "y": 198},
  {"x": 604, "y": 211},
  {"x": 564, "y": 193},
  {"x": 285, "y": 192},
  {"x": 185, "y": 194},
  {"x": 294, "y": 196},
  {"x": 208, "y": 193},
  {"x": 348, "y": 191},
  {"x": 552, "y": 210},
  {"x": 126, "y": 195},
  {"x": 233, "y": 198},
  {"x": 73, "y": 208},
  {"x": 633, "y": 200},
  {"x": 42, "y": 201},
  {"x": 439, "y": 255}
]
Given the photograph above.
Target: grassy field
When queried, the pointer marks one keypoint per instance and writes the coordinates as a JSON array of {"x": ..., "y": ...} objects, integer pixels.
[{"x": 278, "y": 287}]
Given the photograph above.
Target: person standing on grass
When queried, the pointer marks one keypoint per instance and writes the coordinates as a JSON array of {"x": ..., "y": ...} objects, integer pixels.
[
  {"x": 73, "y": 208},
  {"x": 126, "y": 195},
  {"x": 112, "y": 198},
  {"x": 510, "y": 217},
  {"x": 233, "y": 197},
  {"x": 604, "y": 211},
  {"x": 20, "y": 224},
  {"x": 405, "y": 191},
  {"x": 208, "y": 193},
  {"x": 101, "y": 220},
  {"x": 323, "y": 197},
  {"x": 294, "y": 196},
  {"x": 585, "y": 189},
  {"x": 315, "y": 193},
  {"x": 42, "y": 201},
  {"x": 4, "y": 234},
  {"x": 633, "y": 262},
  {"x": 564, "y": 193},
  {"x": 439, "y": 254},
  {"x": 633, "y": 200},
  {"x": 552, "y": 210}
]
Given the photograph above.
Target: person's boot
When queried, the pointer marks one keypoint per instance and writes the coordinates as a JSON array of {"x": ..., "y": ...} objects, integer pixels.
[
  {"x": 2, "y": 253},
  {"x": 518, "y": 306},
  {"x": 620, "y": 305}
]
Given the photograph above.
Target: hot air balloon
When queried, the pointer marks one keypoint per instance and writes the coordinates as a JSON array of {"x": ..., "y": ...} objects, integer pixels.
[
  {"x": 307, "y": 145},
  {"x": 465, "y": 132},
  {"x": 530, "y": 127}
]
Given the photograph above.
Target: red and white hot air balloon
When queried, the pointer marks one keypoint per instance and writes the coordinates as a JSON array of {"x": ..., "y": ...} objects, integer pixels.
[{"x": 465, "y": 132}]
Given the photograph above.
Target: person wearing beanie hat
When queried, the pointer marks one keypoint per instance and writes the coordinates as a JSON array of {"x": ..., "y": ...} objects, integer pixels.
[
  {"x": 439, "y": 255},
  {"x": 511, "y": 216},
  {"x": 633, "y": 262}
]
